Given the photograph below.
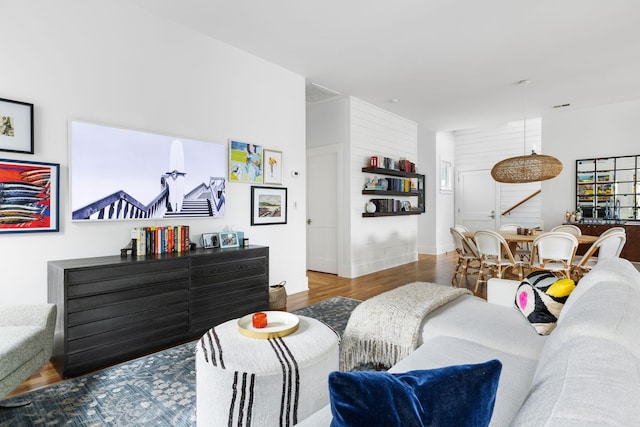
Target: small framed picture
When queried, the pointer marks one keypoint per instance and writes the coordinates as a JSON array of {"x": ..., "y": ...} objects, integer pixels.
[
  {"x": 16, "y": 126},
  {"x": 272, "y": 167},
  {"x": 268, "y": 205},
  {"x": 209, "y": 240},
  {"x": 228, "y": 240}
]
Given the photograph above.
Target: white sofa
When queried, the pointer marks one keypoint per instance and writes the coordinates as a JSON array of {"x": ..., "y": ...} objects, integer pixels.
[{"x": 586, "y": 372}]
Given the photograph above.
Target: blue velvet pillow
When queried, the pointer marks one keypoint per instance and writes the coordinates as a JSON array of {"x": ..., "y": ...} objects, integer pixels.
[{"x": 458, "y": 396}]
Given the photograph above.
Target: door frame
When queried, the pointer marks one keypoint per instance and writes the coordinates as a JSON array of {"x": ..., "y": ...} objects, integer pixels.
[{"x": 336, "y": 149}]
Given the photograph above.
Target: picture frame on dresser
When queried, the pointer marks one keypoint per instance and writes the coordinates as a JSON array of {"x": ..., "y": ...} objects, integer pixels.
[
  {"x": 30, "y": 196},
  {"x": 228, "y": 239},
  {"x": 16, "y": 126}
]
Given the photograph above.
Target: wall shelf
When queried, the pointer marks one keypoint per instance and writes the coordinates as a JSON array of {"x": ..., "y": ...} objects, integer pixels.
[
  {"x": 369, "y": 215},
  {"x": 418, "y": 192}
]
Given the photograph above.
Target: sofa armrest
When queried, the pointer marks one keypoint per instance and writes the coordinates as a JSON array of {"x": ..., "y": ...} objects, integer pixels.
[
  {"x": 39, "y": 315},
  {"x": 502, "y": 291}
]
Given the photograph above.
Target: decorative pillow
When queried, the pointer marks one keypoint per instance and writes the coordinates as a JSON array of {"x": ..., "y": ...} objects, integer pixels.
[
  {"x": 540, "y": 298},
  {"x": 461, "y": 395}
]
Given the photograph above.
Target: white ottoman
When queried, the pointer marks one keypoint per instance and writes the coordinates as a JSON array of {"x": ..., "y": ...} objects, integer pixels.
[{"x": 243, "y": 381}]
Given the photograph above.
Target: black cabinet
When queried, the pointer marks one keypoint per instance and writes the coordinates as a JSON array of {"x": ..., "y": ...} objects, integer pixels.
[{"x": 112, "y": 309}]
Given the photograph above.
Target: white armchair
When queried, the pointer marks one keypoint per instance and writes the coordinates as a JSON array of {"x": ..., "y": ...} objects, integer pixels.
[{"x": 26, "y": 344}]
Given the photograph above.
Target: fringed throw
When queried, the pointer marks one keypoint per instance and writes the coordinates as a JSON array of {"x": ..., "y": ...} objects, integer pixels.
[{"x": 386, "y": 328}]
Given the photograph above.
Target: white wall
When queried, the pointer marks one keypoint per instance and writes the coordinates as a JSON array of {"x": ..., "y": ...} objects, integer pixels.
[
  {"x": 610, "y": 130},
  {"x": 380, "y": 242},
  {"x": 480, "y": 149},
  {"x": 427, "y": 222},
  {"x": 121, "y": 66}
]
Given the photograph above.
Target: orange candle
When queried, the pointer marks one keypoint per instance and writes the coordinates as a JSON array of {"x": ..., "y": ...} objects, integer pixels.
[{"x": 259, "y": 320}]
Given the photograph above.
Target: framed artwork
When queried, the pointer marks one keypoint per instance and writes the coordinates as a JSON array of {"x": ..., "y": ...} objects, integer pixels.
[
  {"x": 245, "y": 162},
  {"x": 268, "y": 205},
  {"x": 16, "y": 126},
  {"x": 446, "y": 177},
  {"x": 126, "y": 174},
  {"x": 29, "y": 192},
  {"x": 272, "y": 167},
  {"x": 209, "y": 240},
  {"x": 228, "y": 239}
]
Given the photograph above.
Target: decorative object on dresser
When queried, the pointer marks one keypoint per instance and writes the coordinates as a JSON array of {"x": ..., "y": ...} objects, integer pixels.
[
  {"x": 112, "y": 309},
  {"x": 209, "y": 240},
  {"x": 228, "y": 239},
  {"x": 16, "y": 126}
]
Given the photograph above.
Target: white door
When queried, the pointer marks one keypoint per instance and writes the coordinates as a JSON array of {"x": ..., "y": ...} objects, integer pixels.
[
  {"x": 476, "y": 203},
  {"x": 322, "y": 212}
]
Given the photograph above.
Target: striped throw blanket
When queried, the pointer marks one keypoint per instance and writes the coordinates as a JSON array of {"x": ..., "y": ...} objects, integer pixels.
[{"x": 386, "y": 328}]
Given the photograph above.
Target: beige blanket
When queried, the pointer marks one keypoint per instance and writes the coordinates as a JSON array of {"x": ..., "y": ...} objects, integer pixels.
[{"x": 386, "y": 328}]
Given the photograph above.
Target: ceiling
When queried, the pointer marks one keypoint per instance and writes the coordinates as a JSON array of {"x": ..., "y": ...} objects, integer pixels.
[{"x": 451, "y": 64}]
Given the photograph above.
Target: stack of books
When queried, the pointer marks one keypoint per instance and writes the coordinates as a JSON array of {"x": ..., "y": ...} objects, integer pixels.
[{"x": 160, "y": 240}]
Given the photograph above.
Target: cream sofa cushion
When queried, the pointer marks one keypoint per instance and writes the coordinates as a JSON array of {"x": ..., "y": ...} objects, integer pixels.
[
  {"x": 587, "y": 382},
  {"x": 473, "y": 319},
  {"x": 515, "y": 378}
]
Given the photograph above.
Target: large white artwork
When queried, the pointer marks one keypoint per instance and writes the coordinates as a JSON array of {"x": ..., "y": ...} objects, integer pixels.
[{"x": 122, "y": 174}]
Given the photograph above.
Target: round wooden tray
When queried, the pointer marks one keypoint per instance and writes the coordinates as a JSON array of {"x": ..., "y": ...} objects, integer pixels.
[{"x": 279, "y": 324}]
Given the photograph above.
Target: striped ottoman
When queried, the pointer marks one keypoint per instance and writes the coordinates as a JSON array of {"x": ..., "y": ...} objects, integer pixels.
[{"x": 243, "y": 381}]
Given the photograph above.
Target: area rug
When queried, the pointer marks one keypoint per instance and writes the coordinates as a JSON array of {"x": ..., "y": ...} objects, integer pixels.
[{"x": 154, "y": 390}]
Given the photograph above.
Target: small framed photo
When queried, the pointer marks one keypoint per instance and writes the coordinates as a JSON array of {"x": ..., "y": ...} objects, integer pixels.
[
  {"x": 209, "y": 240},
  {"x": 16, "y": 126},
  {"x": 29, "y": 194},
  {"x": 272, "y": 167},
  {"x": 268, "y": 205},
  {"x": 229, "y": 240}
]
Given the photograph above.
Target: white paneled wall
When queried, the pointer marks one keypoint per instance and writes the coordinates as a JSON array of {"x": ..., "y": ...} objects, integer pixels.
[
  {"x": 381, "y": 242},
  {"x": 480, "y": 149}
]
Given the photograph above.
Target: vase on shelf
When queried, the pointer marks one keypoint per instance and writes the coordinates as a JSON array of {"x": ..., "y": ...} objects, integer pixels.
[{"x": 371, "y": 207}]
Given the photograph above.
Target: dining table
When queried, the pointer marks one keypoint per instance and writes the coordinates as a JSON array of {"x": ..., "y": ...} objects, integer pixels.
[{"x": 514, "y": 238}]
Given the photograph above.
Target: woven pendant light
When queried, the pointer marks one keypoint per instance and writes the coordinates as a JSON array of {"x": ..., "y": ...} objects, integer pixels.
[{"x": 526, "y": 168}]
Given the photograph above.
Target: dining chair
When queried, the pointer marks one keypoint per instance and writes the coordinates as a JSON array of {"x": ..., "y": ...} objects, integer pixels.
[
  {"x": 608, "y": 245},
  {"x": 468, "y": 257},
  {"x": 613, "y": 230},
  {"x": 568, "y": 228},
  {"x": 522, "y": 250},
  {"x": 495, "y": 256},
  {"x": 554, "y": 251},
  {"x": 461, "y": 228}
]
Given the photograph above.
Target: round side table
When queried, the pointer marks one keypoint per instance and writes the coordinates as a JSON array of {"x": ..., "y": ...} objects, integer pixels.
[{"x": 244, "y": 381}]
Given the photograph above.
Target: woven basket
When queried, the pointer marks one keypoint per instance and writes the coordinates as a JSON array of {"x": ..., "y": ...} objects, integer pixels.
[{"x": 278, "y": 296}]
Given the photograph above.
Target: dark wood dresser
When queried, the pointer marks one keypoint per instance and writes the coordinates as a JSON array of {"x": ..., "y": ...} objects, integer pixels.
[{"x": 112, "y": 309}]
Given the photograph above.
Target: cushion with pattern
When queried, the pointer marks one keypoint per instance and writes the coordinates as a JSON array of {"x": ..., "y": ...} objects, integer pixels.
[{"x": 540, "y": 298}]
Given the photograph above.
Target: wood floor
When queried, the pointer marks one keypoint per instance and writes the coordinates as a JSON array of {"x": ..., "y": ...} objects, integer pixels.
[{"x": 322, "y": 286}]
